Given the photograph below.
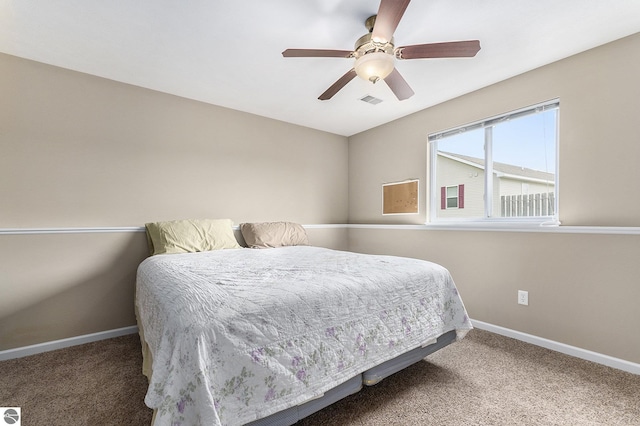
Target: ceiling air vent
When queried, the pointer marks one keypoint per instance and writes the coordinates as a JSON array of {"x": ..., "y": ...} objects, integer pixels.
[{"x": 371, "y": 100}]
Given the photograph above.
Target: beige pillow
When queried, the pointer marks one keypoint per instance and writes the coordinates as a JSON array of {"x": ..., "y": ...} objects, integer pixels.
[
  {"x": 273, "y": 234},
  {"x": 188, "y": 236}
]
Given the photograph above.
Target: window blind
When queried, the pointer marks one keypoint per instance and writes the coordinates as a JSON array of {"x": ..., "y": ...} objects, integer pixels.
[{"x": 497, "y": 119}]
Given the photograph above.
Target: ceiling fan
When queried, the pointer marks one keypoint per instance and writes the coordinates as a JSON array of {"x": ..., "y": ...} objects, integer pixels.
[{"x": 375, "y": 52}]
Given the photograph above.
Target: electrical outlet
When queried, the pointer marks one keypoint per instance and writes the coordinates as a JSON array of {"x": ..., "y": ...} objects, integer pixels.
[{"x": 523, "y": 297}]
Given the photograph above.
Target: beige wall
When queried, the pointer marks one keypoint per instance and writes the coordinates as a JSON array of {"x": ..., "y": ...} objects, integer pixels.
[
  {"x": 56, "y": 286},
  {"x": 81, "y": 151},
  {"x": 78, "y": 150},
  {"x": 583, "y": 289}
]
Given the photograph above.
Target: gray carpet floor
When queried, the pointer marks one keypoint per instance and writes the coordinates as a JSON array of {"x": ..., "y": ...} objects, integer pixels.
[{"x": 485, "y": 379}]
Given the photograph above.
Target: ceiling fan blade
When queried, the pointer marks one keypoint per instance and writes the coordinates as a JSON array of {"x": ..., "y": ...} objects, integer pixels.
[
  {"x": 398, "y": 85},
  {"x": 452, "y": 49},
  {"x": 316, "y": 53},
  {"x": 389, "y": 14},
  {"x": 335, "y": 87}
]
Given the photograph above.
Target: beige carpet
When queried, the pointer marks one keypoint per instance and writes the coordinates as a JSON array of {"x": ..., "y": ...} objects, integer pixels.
[{"x": 485, "y": 379}]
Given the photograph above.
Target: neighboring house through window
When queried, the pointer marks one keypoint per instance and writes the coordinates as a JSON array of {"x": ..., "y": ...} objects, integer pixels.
[{"x": 502, "y": 168}]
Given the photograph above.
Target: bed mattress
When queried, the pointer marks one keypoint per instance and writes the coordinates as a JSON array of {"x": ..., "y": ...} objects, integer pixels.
[{"x": 239, "y": 335}]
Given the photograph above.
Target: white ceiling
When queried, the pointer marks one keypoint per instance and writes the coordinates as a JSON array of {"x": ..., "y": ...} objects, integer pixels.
[{"x": 228, "y": 52}]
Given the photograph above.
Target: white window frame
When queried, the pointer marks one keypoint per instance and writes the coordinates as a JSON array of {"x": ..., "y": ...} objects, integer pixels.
[
  {"x": 488, "y": 220},
  {"x": 457, "y": 197}
]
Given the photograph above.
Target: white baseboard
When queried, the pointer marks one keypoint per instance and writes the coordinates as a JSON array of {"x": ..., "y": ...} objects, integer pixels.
[
  {"x": 65, "y": 343},
  {"x": 599, "y": 358},
  {"x": 607, "y": 360}
]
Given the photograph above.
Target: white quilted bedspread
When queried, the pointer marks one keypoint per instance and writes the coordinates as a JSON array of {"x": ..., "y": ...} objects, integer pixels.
[{"x": 239, "y": 334}]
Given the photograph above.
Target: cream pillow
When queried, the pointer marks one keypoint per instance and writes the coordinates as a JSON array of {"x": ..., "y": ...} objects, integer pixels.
[
  {"x": 192, "y": 235},
  {"x": 273, "y": 234}
]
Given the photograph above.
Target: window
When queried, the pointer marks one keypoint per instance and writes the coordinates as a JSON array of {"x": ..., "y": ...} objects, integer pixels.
[
  {"x": 452, "y": 197},
  {"x": 502, "y": 168}
]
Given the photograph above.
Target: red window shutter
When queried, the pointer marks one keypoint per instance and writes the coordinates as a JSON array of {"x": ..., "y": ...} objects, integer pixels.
[
  {"x": 461, "y": 196},
  {"x": 443, "y": 197}
]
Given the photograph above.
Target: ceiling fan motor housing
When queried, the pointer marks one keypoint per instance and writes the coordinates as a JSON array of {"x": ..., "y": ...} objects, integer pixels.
[
  {"x": 374, "y": 59},
  {"x": 366, "y": 44}
]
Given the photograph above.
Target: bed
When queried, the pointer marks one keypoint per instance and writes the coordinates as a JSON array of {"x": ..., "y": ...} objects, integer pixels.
[{"x": 267, "y": 337}]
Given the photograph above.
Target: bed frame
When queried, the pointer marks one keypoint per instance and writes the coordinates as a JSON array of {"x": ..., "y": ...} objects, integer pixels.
[
  {"x": 353, "y": 385},
  {"x": 369, "y": 378}
]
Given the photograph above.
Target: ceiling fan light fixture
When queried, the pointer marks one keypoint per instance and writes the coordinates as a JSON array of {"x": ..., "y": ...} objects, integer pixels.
[
  {"x": 375, "y": 52},
  {"x": 374, "y": 66}
]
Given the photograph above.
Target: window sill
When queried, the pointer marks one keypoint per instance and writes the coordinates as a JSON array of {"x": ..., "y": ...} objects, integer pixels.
[
  {"x": 518, "y": 225},
  {"x": 507, "y": 227}
]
